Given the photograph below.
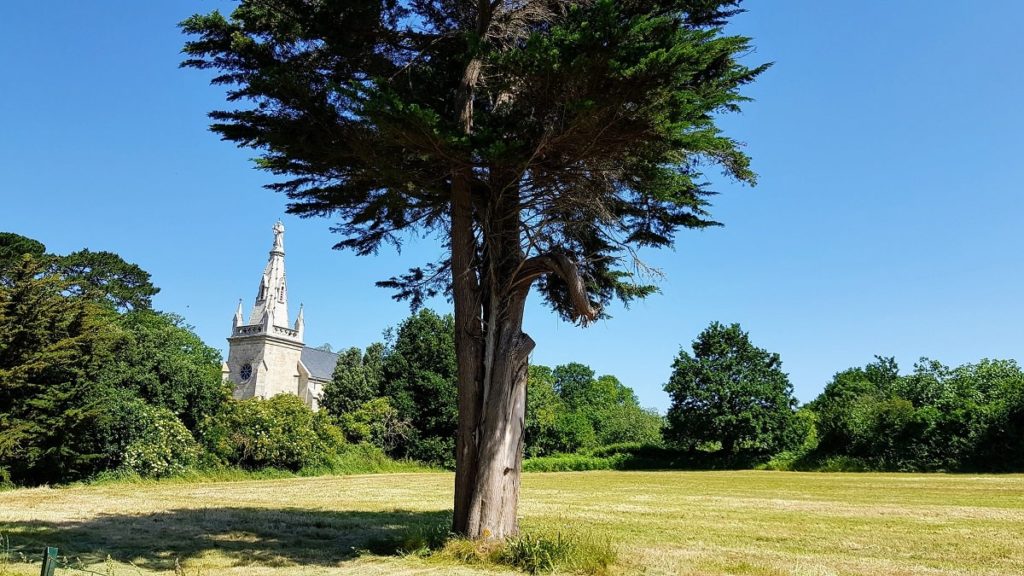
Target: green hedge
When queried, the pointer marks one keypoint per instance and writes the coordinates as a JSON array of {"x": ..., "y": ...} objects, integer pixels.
[{"x": 632, "y": 456}]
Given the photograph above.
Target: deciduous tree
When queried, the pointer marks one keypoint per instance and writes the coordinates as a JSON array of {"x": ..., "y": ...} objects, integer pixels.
[
  {"x": 356, "y": 380},
  {"x": 731, "y": 392},
  {"x": 419, "y": 378}
]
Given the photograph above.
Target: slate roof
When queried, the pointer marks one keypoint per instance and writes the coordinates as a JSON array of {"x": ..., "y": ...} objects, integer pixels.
[{"x": 319, "y": 363}]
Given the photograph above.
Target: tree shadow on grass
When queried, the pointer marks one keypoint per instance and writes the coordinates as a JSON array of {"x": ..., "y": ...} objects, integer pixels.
[{"x": 245, "y": 536}]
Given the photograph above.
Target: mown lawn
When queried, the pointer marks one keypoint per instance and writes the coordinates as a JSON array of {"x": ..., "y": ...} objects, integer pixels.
[{"x": 760, "y": 523}]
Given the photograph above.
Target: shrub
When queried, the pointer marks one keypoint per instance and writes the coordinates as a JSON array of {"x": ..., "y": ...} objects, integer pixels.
[
  {"x": 137, "y": 438},
  {"x": 163, "y": 448},
  {"x": 377, "y": 422},
  {"x": 280, "y": 432},
  {"x": 433, "y": 450},
  {"x": 360, "y": 458},
  {"x": 843, "y": 464}
]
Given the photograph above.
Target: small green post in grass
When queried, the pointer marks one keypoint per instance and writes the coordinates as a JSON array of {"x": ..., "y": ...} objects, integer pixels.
[{"x": 49, "y": 561}]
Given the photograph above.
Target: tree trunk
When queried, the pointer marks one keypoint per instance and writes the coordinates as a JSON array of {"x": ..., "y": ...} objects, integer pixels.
[
  {"x": 491, "y": 436},
  {"x": 492, "y": 353},
  {"x": 490, "y": 282}
]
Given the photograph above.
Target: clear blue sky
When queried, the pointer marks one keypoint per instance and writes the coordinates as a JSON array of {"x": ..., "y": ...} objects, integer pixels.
[{"x": 887, "y": 219}]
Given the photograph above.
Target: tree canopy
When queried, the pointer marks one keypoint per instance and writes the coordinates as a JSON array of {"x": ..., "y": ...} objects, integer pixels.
[
  {"x": 14, "y": 246},
  {"x": 592, "y": 119},
  {"x": 106, "y": 277},
  {"x": 935, "y": 418},
  {"x": 730, "y": 392}
]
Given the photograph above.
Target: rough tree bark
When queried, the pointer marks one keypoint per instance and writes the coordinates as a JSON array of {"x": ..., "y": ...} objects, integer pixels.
[{"x": 490, "y": 281}]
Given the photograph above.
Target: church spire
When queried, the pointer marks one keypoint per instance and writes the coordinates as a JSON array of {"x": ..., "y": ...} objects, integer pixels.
[
  {"x": 300, "y": 323},
  {"x": 271, "y": 306},
  {"x": 238, "y": 320}
]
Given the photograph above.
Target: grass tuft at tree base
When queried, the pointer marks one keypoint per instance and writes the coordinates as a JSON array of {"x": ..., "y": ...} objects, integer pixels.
[
  {"x": 565, "y": 550},
  {"x": 534, "y": 551}
]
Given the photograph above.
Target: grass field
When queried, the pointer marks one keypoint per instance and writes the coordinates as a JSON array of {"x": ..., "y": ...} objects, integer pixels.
[{"x": 757, "y": 523}]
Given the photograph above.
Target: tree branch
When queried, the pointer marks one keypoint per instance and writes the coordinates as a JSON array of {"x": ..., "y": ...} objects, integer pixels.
[{"x": 583, "y": 310}]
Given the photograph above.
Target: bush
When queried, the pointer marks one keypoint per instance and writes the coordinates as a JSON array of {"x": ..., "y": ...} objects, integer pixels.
[
  {"x": 377, "y": 422},
  {"x": 434, "y": 451},
  {"x": 280, "y": 432},
  {"x": 843, "y": 464},
  {"x": 137, "y": 438},
  {"x": 635, "y": 456},
  {"x": 163, "y": 448},
  {"x": 360, "y": 458}
]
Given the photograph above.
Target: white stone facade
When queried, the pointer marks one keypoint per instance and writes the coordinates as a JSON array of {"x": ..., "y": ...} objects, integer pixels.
[{"x": 265, "y": 356}]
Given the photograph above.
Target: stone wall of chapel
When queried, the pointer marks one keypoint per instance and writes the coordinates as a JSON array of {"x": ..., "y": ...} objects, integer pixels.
[
  {"x": 282, "y": 368},
  {"x": 274, "y": 366},
  {"x": 244, "y": 351}
]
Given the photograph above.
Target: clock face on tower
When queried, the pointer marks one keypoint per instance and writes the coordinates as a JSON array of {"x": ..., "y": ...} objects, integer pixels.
[{"x": 246, "y": 371}]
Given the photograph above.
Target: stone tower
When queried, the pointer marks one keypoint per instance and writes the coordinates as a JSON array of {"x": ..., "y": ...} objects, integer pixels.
[{"x": 266, "y": 357}]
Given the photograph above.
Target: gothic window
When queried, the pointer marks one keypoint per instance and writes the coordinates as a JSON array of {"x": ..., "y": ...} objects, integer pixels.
[{"x": 246, "y": 371}]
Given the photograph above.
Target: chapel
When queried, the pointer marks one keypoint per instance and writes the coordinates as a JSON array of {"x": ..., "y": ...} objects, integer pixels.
[{"x": 266, "y": 355}]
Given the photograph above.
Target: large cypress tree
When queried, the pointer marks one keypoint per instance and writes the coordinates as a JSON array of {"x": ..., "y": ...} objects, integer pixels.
[
  {"x": 51, "y": 349},
  {"x": 541, "y": 141}
]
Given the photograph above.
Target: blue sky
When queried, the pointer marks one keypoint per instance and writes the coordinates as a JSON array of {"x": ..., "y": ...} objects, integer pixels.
[{"x": 886, "y": 220}]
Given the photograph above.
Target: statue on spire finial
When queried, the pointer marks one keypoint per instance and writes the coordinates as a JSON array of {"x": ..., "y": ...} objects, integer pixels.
[{"x": 279, "y": 236}]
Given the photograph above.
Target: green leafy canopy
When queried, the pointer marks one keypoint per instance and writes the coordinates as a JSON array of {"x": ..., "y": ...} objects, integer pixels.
[{"x": 592, "y": 122}]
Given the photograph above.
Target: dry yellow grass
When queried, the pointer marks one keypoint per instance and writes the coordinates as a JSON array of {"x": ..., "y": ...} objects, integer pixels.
[{"x": 757, "y": 523}]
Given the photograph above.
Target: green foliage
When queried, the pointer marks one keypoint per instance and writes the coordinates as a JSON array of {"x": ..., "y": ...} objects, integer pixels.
[
  {"x": 543, "y": 408},
  {"x": 162, "y": 361},
  {"x": 13, "y": 247},
  {"x": 569, "y": 550},
  {"x": 569, "y": 410},
  {"x": 51, "y": 349},
  {"x": 93, "y": 383},
  {"x": 378, "y": 423},
  {"x": 163, "y": 448},
  {"x": 419, "y": 374},
  {"x": 106, "y": 277},
  {"x": 935, "y": 418},
  {"x": 411, "y": 411},
  {"x": 574, "y": 463},
  {"x": 804, "y": 441},
  {"x": 636, "y": 456},
  {"x": 280, "y": 432},
  {"x": 732, "y": 393},
  {"x": 575, "y": 385},
  {"x": 356, "y": 380},
  {"x": 369, "y": 125}
]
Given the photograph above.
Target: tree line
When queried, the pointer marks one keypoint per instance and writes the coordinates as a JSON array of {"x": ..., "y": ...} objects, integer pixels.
[
  {"x": 732, "y": 399},
  {"x": 401, "y": 396},
  {"x": 91, "y": 378},
  {"x": 94, "y": 381},
  {"x": 732, "y": 405}
]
